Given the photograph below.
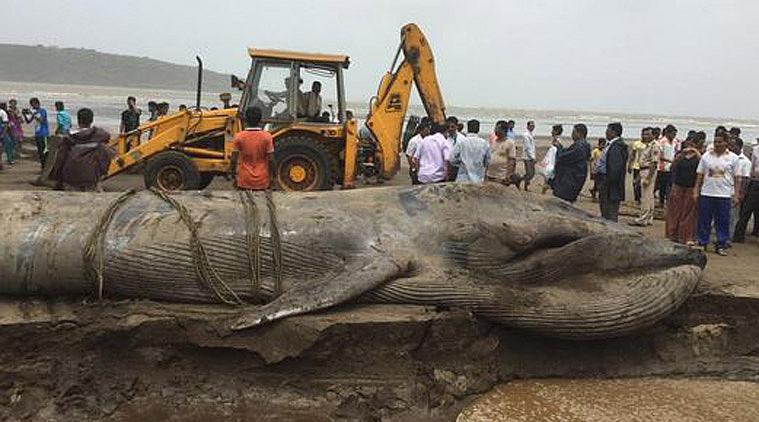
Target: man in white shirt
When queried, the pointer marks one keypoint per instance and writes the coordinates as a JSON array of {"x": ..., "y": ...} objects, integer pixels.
[
  {"x": 313, "y": 100},
  {"x": 452, "y": 135},
  {"x": 717, "y": 187},
  {"x": 528, "y": 154},
  {"x": 471, "y": 155},
  {"x": 422, "y": 131},
  {"x": 3, "y": 116},
  {"x": 432, "y": 157}
]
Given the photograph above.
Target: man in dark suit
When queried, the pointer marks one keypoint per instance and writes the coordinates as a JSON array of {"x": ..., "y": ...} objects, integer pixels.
[
  {"x": 610, "y": 173},
  {"x": 572, "y": 165}
]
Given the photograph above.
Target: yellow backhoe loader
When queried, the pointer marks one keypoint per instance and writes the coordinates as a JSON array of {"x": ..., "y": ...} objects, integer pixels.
[{"x": 316, "y": 147}]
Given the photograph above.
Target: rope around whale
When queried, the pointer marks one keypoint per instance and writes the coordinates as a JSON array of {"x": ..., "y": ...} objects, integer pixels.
[
  {"x": 203, "y": 268},
  {"x": 94, "y": 251},
  {"x": 253, "y": 240},
  {"x": 276, "y": 244}
]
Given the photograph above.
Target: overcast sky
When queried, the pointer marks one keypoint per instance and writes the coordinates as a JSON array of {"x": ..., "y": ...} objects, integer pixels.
[{"x": 682, "y": 57}]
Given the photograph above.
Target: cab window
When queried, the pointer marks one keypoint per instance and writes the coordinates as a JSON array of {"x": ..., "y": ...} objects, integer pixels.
[
  {"x": 317, "y": 95},
  {"x": 271, "y": 92}
]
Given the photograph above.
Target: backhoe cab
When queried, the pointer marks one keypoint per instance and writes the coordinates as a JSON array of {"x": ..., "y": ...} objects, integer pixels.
[{"x": 302, "y": 99}]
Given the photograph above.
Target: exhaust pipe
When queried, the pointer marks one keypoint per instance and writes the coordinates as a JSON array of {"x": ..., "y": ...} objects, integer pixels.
[{"x": 200, "y": 82}]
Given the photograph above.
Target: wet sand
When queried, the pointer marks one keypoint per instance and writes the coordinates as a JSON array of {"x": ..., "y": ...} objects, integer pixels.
[{"x": 643, "y": 400}]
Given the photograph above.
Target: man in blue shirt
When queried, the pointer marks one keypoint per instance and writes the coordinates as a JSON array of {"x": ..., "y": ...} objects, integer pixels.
[{"x": 41, "y": 131}]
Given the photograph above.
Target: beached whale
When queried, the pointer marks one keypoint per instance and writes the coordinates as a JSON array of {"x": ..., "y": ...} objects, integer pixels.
[{"x": 520, "y": 259}]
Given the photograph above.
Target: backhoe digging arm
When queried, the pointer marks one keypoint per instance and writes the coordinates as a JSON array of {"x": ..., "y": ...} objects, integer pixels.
[{"x": 389, "y": 107}]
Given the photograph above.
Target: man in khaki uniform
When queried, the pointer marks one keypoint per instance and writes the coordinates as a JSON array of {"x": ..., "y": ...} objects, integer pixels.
[{"x": 649, "y": 158}]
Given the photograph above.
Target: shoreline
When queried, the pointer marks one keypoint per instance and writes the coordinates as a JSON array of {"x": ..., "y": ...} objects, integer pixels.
[{"x": 108, "y": 102}]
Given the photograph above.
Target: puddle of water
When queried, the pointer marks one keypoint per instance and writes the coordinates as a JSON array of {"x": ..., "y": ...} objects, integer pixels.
[{"x": 646, "y": 399}]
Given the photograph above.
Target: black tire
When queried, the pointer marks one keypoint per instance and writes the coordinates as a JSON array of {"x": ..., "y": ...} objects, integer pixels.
[
  {"x": 171, "y": 171},
  {"x": 205, "y": 180},
  {"x": 303, "y": 163}
]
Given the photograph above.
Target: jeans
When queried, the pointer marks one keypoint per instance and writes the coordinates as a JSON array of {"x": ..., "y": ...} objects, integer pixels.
[
  {"x": 665, "y": 181},
  {"x": 713, "y": 209},
  {"x": 9, "y": 145},
  {"x": 41, "y": 142}
]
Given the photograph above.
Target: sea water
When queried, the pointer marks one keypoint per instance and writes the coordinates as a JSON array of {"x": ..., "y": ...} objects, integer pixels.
[{"x": 108, "y": 103}]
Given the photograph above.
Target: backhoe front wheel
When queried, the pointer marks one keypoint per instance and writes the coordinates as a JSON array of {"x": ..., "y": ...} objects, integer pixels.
[
  {"x": 205, "y": 180},
  {"x": 303, "y": 164},
  {"x": 172, "y": 171}
]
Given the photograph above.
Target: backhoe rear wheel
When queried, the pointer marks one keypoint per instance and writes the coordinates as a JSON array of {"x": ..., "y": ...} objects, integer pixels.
[
  {"x": 303, "y": 164},
  {"x": 172, "y": 171}
]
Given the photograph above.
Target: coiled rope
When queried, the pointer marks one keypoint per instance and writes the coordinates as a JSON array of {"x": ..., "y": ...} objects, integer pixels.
[{"x": 94, "y": 251}]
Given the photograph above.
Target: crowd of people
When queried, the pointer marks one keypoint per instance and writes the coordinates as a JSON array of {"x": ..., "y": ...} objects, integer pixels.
[
  {"x": 441, "y": 152},
  {"x": 700, "y": 185},
  {"x": 82, "y": 154},
  {"x": 13, "y": 118}
]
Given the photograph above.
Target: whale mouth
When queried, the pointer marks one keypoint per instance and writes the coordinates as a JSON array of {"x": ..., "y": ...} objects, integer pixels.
[
  {"x": 565, "y": 255},
  {"x": 598, "y": 286}
]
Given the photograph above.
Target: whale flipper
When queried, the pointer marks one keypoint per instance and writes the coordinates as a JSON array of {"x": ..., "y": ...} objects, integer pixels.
[{"x": 309, "y": 296}]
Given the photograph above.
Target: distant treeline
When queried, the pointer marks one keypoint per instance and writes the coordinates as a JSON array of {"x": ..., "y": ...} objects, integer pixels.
[{"x": 23, "y": 63}]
